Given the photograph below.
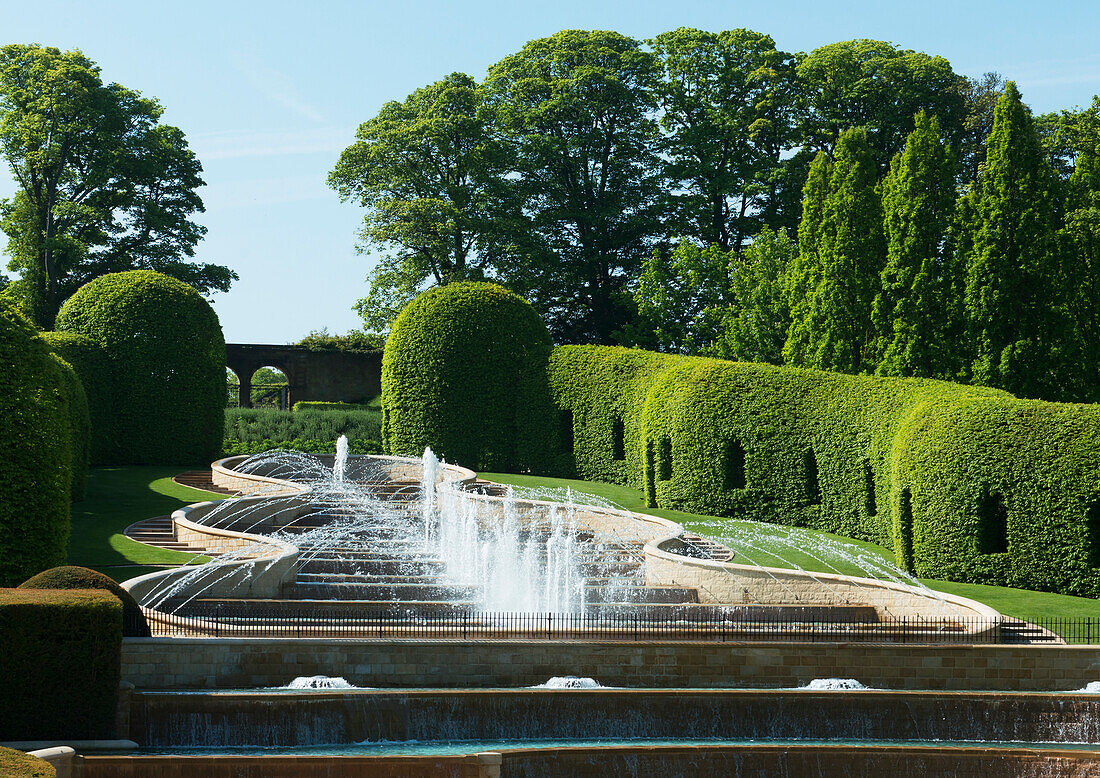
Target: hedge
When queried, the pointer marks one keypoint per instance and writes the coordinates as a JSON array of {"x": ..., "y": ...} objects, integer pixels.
[
  {"x": 157, "y": 386},
  {"x": 61, "y": 663},
  {"x": 35, "y": 468},
  {"x": 253, "y": 430},
  {"x": 464, "y": 372},
  {"x": 72, "y": 577},
  {"x": 965, "y": 483},
  {"x": 317, "y": 405},
  {"x": 17, "y": 764},
  {"x": 77, "y": 413}
]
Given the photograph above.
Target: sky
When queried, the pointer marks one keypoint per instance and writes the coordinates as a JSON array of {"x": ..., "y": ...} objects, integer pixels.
[{"x": 269, "y": 93}]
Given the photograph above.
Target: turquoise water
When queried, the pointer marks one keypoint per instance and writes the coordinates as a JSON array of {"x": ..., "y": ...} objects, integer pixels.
[{"x": 452, "y": 747}]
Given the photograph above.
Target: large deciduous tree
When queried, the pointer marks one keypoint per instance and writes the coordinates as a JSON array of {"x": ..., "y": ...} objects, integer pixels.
[
  {"x": 102, "y": 185},
  {"x": 578, "y": 109},
  {"x": 433, "y": 180}
]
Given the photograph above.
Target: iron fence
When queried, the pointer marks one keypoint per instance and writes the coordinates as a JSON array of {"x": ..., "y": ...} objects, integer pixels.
[{"x": 246, "y": 619}]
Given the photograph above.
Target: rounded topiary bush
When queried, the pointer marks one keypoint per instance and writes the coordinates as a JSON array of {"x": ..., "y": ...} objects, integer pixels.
[
  {"x": 17, "y": 764},
  {"x": 35, "y": 468},
  {"x": 73, "y": 577},
  {"x": 464, "y": 372},
  {"x": 159, "y": 391}
]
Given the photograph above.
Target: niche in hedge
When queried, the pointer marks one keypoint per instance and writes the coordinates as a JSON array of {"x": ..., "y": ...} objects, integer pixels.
[
  {"x": 1092, "y": 530},
  {"x": 664, "y": 459},
  {"x": 813, "y": 483},
  {"x": 565, "y": 432},
  {"x": 735, "y": 465},
  {"x": 992, "y": 535},
  {"x": 869, "y": 479},
  {"x": 618, "y": 439},
  {"x": 650, "y": 475}
]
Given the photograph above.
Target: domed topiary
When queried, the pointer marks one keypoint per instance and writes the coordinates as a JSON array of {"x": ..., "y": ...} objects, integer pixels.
[
  {"x": 35, "y": 466},
  {"x": 72, "y": 577},
  {"x": 18, "y": 764},
  {"x": 165, "y": 356},
  {"x": 464, "y": 372},
  {"x": 76, "y": 407}
]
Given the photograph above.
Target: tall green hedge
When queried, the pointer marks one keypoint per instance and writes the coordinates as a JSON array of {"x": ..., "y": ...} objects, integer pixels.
[
  {"x": 464, "y": 372},
  {"x": 965, "y": 483},
  {"x": 159, "y": 385},
  {"x": 73, "y": 577},
  {"x": 35, "y": 463},
  {"x": 61, "y": 663},
  {"x": 76, "y": 408},
  {"x": 93, "y": 369}
]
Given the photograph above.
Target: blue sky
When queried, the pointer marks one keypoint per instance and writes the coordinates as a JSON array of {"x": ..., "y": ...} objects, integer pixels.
[{"x": 270, "y": 93}]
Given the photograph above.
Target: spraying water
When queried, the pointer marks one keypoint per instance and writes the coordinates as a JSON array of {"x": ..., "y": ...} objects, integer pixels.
[{"x": 340, "y": 464}]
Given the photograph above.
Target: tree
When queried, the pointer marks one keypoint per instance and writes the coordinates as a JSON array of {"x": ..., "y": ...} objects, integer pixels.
[
  {"x": 755, "y": 324},
  {"x": 577, "y": 109},
  {"x": 911, "y": 311},
  {"x": 102, "y": 186},
  {"x": 681, "y": 295},
  {"x": 432, "y": 177},
  {"x": 874, "y": 85},
  {"x": 354, "y": 340},
  {"x": 726, "y": 103},
  {"x": 831, "y": 327},
  {"x": 1010, "y": 297},
  {"x": 981, "y": 96}
]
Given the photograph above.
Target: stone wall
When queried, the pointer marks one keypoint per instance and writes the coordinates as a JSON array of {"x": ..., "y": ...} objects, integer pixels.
[{"x": 182, "y": 663}]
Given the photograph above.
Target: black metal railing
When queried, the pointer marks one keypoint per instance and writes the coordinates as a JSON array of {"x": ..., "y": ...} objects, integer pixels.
[{"x": 255, "y": 619}]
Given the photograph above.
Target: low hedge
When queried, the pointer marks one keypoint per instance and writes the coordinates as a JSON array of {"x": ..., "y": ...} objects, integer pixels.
[
  {"x": 61, "y": 663},
  {"x": 965, "y": 483},
  {"x": 464, "y": 372},
  {"x": 253, "y": 430},
  {"x": 35, "y": 468},
  {"x": 72, "y": 577},
  {"x": 158, "y": 383},
  {"x": 76, "y": 410},
  {"x": 233, "y": 448},
  {"x": 317, "y": 405},
  {"x": 17, "y": 764}
]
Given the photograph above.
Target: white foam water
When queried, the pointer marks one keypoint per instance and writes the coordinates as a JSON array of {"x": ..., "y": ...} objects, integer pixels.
[
  {"x": 319, "y": 682},
  {"x": 834, "y": 684},
  {"x": 569, "y": 682},
  {"x": 1092, "y": 687}
]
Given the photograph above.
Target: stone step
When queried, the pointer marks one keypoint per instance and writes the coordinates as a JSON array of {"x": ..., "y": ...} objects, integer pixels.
[
  {"x": 392, "y": 592},
  {"x": 293, "y": 609},
  {"x": 368, "y": 566}
]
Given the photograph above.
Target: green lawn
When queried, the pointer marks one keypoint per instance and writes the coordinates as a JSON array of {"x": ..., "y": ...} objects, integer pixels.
[
  {"x": 116, "y": 498},
  {"x": 781, "y": 547}
]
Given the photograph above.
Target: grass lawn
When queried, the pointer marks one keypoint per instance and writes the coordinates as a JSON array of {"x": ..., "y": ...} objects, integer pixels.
[
  {"x": 116, "y": 498},
  {"x": 778, "y": 548}
]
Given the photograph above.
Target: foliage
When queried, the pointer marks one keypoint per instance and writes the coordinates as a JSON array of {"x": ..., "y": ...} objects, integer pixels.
[
  {"x": 912, "y": 312},
  {"x": 69, "y": 577},
  {"x": 94, "y": 372},
  {"x": 76, "y": 409},
  {"x": 267, "y": 387},
  {"x": 846, "y": 454},
  {"x": 317, "y": 405},
  {"x": 61, "y": 663},
  {"x": 464, "y": 372},
  {"x": 354, "y": 340},
  {"x": 36, "y": 468},
  {"x": 102, "y": 186},
  {"x": 578, "y": 109},
  {"x": 161, "y": 344},
  {"x": 681, "y": 295},
  {"x": 19, "y": 764},
  {"x": 754, "y": 327},
  {"x": 309, "y": 429},
  {"x": 831, "y": 326}
]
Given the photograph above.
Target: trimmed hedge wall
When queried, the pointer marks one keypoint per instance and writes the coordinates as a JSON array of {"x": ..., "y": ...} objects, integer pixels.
[
  {"x": 464, "y": 372},
  {"x": 965, "y": 483},
  {"x": 317, "y": 405},
  {"x": 72, "y": 577},
  {"x": 61, "y": 663},
  {"x": 35, "y": 468},
  {"x": 158, "y": 386},
  {"x": 76, "y": 410},
  {"x": 93, "y": 369},
  {"x": 17, "y": 764},
  {"x": 253, "y": 430}
]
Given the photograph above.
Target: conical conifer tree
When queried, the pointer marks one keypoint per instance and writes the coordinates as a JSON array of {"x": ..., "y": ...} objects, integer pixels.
[
  {"x": 911, "y": 313},
  {"x": 1010, "y": 301},
  {"x": 832, "y": 327},
  {"x": 803, "y": 273}
]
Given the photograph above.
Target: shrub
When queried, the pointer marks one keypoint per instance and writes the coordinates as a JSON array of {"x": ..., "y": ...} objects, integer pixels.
[
  {"x": 252, "y": 430},
  {"x": 159, "y": 388},
  {"x": 17, "y": 764},
  {"x": 317, "y": 405},
  {"x": 464, "y": 372},
  {"x": 76, "y": 410},
  {"x": 965, "y": 483},
  {"x": 71, "y": 577},
  {"x": 93, "y": 369},
  {"x": 35, "y": 468},
  {"x": 61, "y": 663}
]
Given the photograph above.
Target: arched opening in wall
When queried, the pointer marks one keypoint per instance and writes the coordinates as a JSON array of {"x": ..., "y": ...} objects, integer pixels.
[
  {"x": 664, "y": 458},
  {"x": 650, "y": 475},
  {"x": 270, "y": 388},
  {"x": 232, "y": 389},
  {"x": 565, "y": 431},
  {"x": 869, "y": 481},
  {"x": 992, "y": 524},
  {"x": 813, "y": 483},
  {"x": 735, "y": 465},
  {"x": 618, "y": 439},
  {"x": 905, "y": 529},
  {"x": 1092, "y": 530}
]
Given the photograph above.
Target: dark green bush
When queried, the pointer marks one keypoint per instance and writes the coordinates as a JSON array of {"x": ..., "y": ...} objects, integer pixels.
[
  {"x": 464, "y": 372},
  {"x": 965, "y": 483},
  {"x": 71, "y": 577},
  {"x": 76, "y": 409},
  {"x": 61, "y": 663},
  {"x": 93, "y": 368},
  {"x": 17, "y": 764},
  {"x": 158, "y": 393},
  {"x": 253, "y": 430},
  {"x": 317, "y": 405},
  {"x": 35, "y": 466}
]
